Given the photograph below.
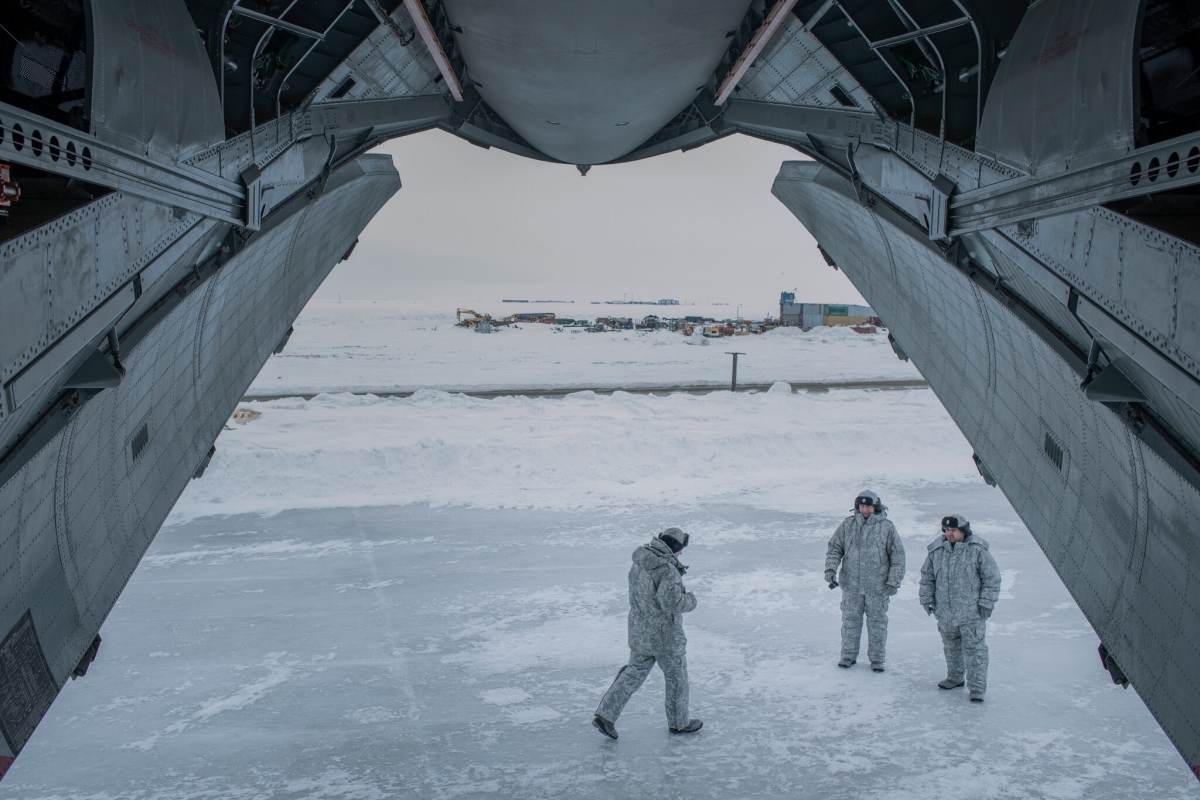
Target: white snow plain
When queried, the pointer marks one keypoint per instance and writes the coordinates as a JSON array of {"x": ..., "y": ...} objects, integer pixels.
[
  {"x": 402, "y": 347},
  {"x": 424, "y": 597}
]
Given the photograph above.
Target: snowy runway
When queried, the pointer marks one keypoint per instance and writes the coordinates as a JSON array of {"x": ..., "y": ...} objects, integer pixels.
[
  {"x": 425, "y": 597},
  {"x": 418, "y": 652}
]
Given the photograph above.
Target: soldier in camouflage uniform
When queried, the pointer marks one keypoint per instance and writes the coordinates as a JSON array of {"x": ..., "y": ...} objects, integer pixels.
[
  {"x": 960, "y": 584},
  {"x": 871, "y": 556},
  {"x": 657, "y": 603}
]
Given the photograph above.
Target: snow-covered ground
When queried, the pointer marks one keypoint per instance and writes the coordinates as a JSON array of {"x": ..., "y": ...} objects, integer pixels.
[
  {"x": 425, "y": 597},
  {"x": 776, "y": 449},
  {"x": 398, "y": 347}
]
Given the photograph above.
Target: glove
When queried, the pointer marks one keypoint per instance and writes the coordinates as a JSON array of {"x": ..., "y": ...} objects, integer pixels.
[
  {"x": 929, "y": 609},
  {"x": 984, "y": 612},
  {"x": 891, "y": 590},
  {"x": 833, "y": 584}
]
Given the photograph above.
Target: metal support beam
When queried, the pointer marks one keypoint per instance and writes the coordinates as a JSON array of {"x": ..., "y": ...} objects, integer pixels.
[
  {"x": 37, "y": 142},
  {"x": 817, "y": 120},
  {"x": 359, "y": 114},
  {"x": 429, "y": 36},
  {"x": 821, "y": 12},
  {"x": 1168, "y": 165},
  {"x": 762, "y": 37},
  {"x": 919, "y": 34},
  {"x": 278, "y": 23},
  {"x": 312, "y": 46},
  {"x": 55, "y": 148}
]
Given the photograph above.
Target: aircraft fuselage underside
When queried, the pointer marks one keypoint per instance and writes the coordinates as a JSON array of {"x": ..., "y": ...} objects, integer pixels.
[{"x": 1014, "y": 189}]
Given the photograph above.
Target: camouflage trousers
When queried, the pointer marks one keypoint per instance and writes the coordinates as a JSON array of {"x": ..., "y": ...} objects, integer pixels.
[
  {"x": 966, "y": 650},
  {"x": 633, "y": 675},
  {"x": 874, "y": 606}
]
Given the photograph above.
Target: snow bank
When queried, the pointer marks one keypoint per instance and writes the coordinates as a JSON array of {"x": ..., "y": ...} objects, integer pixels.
[{"x": 776, "y": 449}]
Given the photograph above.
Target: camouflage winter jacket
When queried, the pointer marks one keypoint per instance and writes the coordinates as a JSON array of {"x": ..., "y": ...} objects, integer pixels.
[
  {"x": 957, "y": 579},
  {"x": 657, "y": 600},
  {"x": 870, "y": 553}
]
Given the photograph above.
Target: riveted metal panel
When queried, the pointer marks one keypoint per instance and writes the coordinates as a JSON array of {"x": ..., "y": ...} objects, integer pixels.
[
  {"x": 26, "y": 688},
  {"x": 55, "y": 275},
  {"x": 386, "y": 64},
  {"x": 1142, "y": 277},
  {"x": 796, "y": 69},
  {"x": 24, "y": 307},
  {"x": 1064, "y": 90},
  {"x": 69, "y": 349},
  {"x": 901, "y": 183},
  {"x": 153, "y": 89},
  {"x": 77, "y": 517}
]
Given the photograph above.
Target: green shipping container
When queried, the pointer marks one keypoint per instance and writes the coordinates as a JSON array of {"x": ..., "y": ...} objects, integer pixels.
[{"x": 837, "y": 311}]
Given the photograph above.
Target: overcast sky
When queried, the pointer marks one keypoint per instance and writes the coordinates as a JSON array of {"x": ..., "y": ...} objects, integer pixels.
[{"x": 474, "y": 224}]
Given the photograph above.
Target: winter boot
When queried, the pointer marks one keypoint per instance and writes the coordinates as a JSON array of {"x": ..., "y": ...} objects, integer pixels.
[
  {"x": 877, "y": 666},
  {"x": 976, "y": 696},
  {"x": 604, "y": 726},
  {"x": 692, "y": 726},
  {"x": 949, "y": 683},
  {"x": 847, "y": 663}
]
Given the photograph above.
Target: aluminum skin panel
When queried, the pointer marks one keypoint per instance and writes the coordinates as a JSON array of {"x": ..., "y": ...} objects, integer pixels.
[
  {"x": 1145, "y": 278},
  {"x": 384, "y": 66},
  {"x": 62, "y": 285},
  {"x": 76, "y": 519},
  {"x": 55, "y": 275},
  {"x": 152, "y": 85},
  {"x": 796, "y": 69},
  {"x": 586, "y": 83},
  {"x": 894, "y": 178},
  {"x": 1137, "y": 288},
  {"x": 1116, "y": 522},
  {"x": 1064, "y": 91}
]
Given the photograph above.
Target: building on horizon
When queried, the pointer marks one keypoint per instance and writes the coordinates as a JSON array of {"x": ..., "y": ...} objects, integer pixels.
[{"x": 814, "y": 315}]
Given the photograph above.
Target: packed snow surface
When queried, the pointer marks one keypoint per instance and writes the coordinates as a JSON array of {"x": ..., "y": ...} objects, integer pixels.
[
  {"x": 775, "y": 449},
  {"x": 425, "y": 597},
  {"x": 397, "y": 347}
]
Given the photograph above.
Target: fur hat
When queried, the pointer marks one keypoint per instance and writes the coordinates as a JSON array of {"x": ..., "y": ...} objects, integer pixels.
[
  {"x": 675, "y": 539},
  {"x": 957, "y": 521},
  {"x": 868, "y": 498}
]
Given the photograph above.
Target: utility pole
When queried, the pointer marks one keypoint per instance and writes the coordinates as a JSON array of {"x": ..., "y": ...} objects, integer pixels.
[{"x": 733, "y": 380}]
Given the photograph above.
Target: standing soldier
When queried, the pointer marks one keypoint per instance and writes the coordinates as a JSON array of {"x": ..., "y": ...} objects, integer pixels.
[
  {"x": 872, "y": 558},
  {"x": 960, "y": 584},
  {"x": 657, "y": 603}
]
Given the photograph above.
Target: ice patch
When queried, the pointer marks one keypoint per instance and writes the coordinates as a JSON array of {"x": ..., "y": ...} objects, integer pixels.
[
  {"x": 1008, "y": 579},
  {"x": 504, "y": 697},
  {"x": 373, "y": 715},
  {"x": 250, "y": 693},
  {"x": 343, "y": 587},
  {"x": 286, "y": 548},
  {"x": 758, "y": 592},
  {"x": 533, "y": 714}
]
